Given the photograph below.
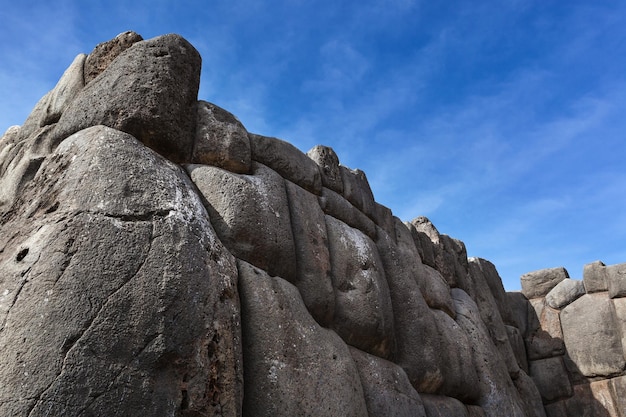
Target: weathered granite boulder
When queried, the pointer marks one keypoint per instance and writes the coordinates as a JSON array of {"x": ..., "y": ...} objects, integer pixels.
[
  {"x": 292, "y": 366},
  {"x": 338, "y": 207},
  {"x": 550, "y": 377},
  {"x": 313, "y": 268},
  {"x": 220, "y": 140},
  {"x": 386, "y": 387},
  {"x": 328, "y": 162},
  {"x": 356, "y": 189},
  {"x": 479, "y": 270},
  {"x": 149, "y": 90},
  {"x": 565, "y": 292},
  {"x": 24, "y": 148},
  {"x": 620, "y": 314},
  {"x": 237, "y": 201},
  {"x": 592, "y": 335},
  {"x": 517, "y": 345},
  {"x": 417, "y": 340},
  {"x": 114, "y": 286},
  {"x": 435, "y": 289},
  {"x": 594, "y": 277},
  {"x": 287, "y": 160},
  {"x": 522, "y": 316},
  {"x": 51, "y": 106},
  {"x": 497, "y": 394},
  {"x": 616, "y": 280},
  {"x": 545, "y": 340},
  {"x": 363, "y": 312},
  {"x": 442, "y": 252},
  {"x": 103, "y": 54},
  {"x": 539, "y": 283}
]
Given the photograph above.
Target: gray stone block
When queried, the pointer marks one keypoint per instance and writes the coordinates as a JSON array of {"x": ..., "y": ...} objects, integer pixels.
[
  {"x": 592, "y": 335},
  {"x": 550, "y": 376},
  {"x": 363, "y": 311},
  {"x": 564, "y": 293},
  {"x": 293, "y": 366},
  {"x": 539, "y": 283},
  {"x": 220, "y": 140},
  {"x": 250, "y": 214},
  {"x": 594, "y": 277},
  {"x": 616, "y": 280},
  {"x": 284, "y": 158},
  {"x": 387, "y": 389}
]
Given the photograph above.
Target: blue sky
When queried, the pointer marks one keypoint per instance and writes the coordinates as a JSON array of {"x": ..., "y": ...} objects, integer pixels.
[{"x": 504, "y": 122}]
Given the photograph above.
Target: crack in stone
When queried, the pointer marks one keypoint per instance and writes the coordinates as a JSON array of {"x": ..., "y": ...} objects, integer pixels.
[
  {"x": 17, "y": 294},
  {"x": 86, "y": 330}
]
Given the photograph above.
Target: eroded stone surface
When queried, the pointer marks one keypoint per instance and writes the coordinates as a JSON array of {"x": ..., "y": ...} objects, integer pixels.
[
  {"x": 115, "y": 285},
  {"x": 564, "y": 293},
  {"x": 363, "y": 312},
  {"x": 150, "y": 91},
  {"x": 387, "y": 389},
  {"x": 293, "y": 367},
  {"x": 592, "y": 335},
  {"x": 250, "y": 214},
  {"x": 539, "y": 283},
  {"x": 220, "y": 140},
  {"x": 112, "y": 297}
]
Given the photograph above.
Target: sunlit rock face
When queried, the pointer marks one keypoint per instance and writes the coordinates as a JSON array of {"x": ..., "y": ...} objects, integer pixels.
[{"x": 158, "y": 259}]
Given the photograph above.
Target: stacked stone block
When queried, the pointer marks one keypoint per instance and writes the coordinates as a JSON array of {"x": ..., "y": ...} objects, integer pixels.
[
  {"x": 574, "y": 339},
  {"x": 181, "y": 265},
  {"x": 389, "y": 291}
]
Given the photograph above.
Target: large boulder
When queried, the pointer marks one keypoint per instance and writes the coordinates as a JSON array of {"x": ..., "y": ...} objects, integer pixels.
[
  {"x": 115, "y": 287},
  {"x": 539, "y": 283},
  {"x": 550, "y": 377},
  {"x": 336, "y": 206},
  {"x": 363, "y": 310},
  {"x": 418, "y": 345},
  {"x": 497, "y": 394},
  {"x": 387, "y": 389},
  {"x": 328, "y": 162},
  {"x": 284, "y": 158},
  {"x": 545, "y": 338},
  {"x": 149, "y": 90},
  {"x": 616, "y": 280},
  {"x": 313, "y": 268},
  {"x": 356, "y": 189},
  {"x": 445, "y": 254},
  {"x": 594, "y": 277},
  {"x": 250, "y": 214},
  {"x": 220, "y": 140},
  {"x": 565, "y": 292},
  {"x": 487, "y": 305},
  {"x": 293, "y": 367},
  {"x": 592, "y": 335}
]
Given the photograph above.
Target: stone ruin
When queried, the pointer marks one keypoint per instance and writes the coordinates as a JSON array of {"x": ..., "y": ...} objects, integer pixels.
[{"x": 157, "y": 259}]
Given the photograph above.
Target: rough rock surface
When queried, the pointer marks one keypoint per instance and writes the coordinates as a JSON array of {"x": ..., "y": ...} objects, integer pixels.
[
  {"x": 221, "y": 140},
  {"x": 565, "y": 292},
  {"x": 256, "y": 279},
  {"x": 292, "y": 366},
  {"x": 538, "y": 283},
  {"x": 592, "y": 335},
  {"x": 150, "y": 91},
  {"x": 108, "y": 297}
]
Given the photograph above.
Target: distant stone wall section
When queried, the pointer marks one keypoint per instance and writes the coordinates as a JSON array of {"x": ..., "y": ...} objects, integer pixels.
[
  {"x": 574, "y": 336},
  {"x": 158, "y": 258}
]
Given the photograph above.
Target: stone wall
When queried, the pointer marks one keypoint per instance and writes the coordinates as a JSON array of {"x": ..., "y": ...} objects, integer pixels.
[
  {"x": 575, "y": 338},
  {"x": 160, "y": 259}
]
